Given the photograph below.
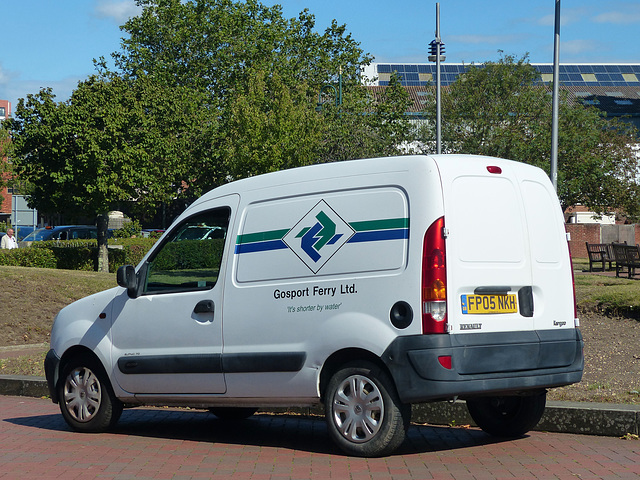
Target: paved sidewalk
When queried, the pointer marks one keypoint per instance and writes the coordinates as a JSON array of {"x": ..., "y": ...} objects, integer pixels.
[
  {"x": 564, "y": 417},
  {"x": 35, "y": 443}
]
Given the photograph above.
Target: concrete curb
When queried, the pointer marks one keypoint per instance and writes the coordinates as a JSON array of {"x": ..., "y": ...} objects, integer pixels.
[
  {"x": 605, "y": 419},
  {"x": 23, "y": 386}
]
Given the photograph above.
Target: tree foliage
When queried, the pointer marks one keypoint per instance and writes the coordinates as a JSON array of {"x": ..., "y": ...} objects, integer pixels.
[
  {"x": 114, "y": 141},
  {"x": 260, "y": 73},
  {"x": 202, "y": 92},
  {"x": 501, "y": 109},
  {"x": 5, "y": 168},
  {"x": 269, "y": 127},
  {"x": 366, "y": 126},
  {"x": 216, "y": 45}
]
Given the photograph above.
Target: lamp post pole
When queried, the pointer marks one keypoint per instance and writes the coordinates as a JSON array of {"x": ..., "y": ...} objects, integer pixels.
[
  {"x": 556, "y": 87},
  {"x": 336, "y": 93},
  {"x": 438, "y": 85},
  {"x": 436, "y": 50}
]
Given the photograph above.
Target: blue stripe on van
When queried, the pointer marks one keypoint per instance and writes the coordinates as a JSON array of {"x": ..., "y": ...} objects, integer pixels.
[
  {"x": 371, "y": 236},
  {"x": 260, "y": 246},
  {"x": 378, "y": 235}
]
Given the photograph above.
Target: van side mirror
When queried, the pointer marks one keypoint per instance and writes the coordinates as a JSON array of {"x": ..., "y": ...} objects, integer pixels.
[{"x": 126, "y": 278}]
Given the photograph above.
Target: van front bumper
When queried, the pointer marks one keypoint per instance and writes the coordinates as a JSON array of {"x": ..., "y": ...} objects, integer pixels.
[
  {"x": 51, "y": 372},
  {"x": 484, "y": 363}
]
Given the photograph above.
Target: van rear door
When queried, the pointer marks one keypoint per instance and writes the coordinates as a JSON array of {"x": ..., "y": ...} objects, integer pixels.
[
  {"x": 506, "y": 252},
  {"x": 553, "y": 296}
]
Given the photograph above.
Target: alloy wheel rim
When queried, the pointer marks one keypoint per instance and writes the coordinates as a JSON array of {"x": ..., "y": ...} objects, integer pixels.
[
  {"x": 358, "y": 409},
  {"x": 82, "y": 394}
]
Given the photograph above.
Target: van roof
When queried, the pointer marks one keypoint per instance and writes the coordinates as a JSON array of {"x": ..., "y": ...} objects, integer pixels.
[{"x": 347, "y": 168}]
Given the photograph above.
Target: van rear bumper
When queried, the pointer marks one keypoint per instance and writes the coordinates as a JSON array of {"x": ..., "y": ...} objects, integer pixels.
[{"x": 484, "y": 363}]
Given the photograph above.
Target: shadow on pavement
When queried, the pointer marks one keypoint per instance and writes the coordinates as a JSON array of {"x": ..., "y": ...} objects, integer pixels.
[{"x": 282, "y": 431}]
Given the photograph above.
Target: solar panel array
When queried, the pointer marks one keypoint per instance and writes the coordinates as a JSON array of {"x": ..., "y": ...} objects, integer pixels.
[{"x": 570, "y": 75}]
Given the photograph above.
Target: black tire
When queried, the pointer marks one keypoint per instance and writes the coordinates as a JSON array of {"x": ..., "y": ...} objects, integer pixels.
[
  {"x": 364, "y": 414},
  {"x": 509, "y": 416},
  {"x": 86, "y": 399},
  {"x": 233, "y": 413}
]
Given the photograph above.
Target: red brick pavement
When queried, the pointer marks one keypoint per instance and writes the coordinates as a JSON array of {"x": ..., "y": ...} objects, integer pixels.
[{"x": 35, "y": 443}]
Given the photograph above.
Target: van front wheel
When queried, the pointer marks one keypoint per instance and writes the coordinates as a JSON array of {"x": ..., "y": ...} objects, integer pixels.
[
  {"x": 364, "y": 414},
  {"x": 86, "y": 399},
  {"x": 509, "y": 416}
]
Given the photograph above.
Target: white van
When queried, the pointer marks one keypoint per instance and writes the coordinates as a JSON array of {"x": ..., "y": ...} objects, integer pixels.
[{"x": 365, "y": 285}]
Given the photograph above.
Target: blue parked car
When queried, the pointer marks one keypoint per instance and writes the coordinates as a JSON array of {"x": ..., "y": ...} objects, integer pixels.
[{"x": 67, "y": 232}]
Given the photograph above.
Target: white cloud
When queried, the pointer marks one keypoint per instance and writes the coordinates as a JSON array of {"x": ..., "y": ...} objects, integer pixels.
[
  {"x": 4, "y": 76},
  {"x": 486, "y": 39},
  {"x": 568, "y": 16},
  {"x": 17, "y": 88},
  {"x": 578, "y": 47},
  {"x": 118, "y": 10},
  {"x": 619, "y": 17}
]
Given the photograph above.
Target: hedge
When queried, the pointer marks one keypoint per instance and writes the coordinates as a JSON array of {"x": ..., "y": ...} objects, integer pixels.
[
  {"x": 76, "y": 254},
  {"x": 190, "y": 254},
  {"x": 27, "y": 257}
]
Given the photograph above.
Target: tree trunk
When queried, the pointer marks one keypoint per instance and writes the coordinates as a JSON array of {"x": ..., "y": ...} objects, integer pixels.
[{"x": 103, "y": 253}]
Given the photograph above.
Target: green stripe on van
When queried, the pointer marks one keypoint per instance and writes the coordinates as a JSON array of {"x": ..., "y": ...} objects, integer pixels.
[
  {"x": 261, "y": 236},
  {"x": 386, "y": 224}
]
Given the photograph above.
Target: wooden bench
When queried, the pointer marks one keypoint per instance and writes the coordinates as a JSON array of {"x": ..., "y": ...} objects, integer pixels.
[
  {"x": 626, "y": 256},
  {"x": 600, "y": 253}
]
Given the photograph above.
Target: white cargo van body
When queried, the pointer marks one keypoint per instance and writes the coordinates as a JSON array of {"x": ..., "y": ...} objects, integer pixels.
[{"x": 366, "y": 285}]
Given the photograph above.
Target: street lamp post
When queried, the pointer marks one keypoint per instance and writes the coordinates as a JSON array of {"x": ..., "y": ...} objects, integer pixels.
[
  {"x": 336, "y": 93},
  {"x": 436, "y": 50},
  {"x": 322, "y": 90},
  {"x": 554, "y": 102}
]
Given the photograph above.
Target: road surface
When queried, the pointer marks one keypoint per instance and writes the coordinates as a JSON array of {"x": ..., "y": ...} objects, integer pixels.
[{"x": 35, "y": 443}]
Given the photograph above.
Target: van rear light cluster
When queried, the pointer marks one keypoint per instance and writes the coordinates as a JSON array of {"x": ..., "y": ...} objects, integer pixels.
[{"x": 434, "y": 280}]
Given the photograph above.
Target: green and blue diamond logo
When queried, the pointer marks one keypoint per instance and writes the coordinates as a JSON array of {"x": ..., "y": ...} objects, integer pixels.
[{"x": 318, "y": 236}]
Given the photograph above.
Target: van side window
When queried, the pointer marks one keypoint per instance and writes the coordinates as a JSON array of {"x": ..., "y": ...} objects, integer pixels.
[{"x": 190, "y": 258}]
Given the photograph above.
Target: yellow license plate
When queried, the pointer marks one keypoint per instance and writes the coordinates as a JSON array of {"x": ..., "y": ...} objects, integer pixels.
[{"x": 472, "y": 304}]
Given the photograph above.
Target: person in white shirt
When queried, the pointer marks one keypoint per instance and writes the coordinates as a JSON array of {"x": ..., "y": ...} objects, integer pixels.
[{"x": 9, "y": 240}]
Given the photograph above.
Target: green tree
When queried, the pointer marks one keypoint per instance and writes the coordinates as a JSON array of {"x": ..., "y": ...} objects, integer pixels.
[
  {"x": 501, "y": 109},
  {"x": 214, "y": 45},
  {"x": 269, "y": 127},
  {"x": 114, "y": 141},
  {"x": 203, "y": 91},
  {"x": 259, "y": 71},
  {"x": 5, "y": 167},
  {"x": 366, "y": 125}
]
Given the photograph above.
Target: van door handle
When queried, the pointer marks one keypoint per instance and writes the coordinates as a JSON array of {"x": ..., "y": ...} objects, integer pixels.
[
  {"x": 525, "y": 299},
  {"x": 204, "y": 306},
  {"x": 497, "y": 290}
]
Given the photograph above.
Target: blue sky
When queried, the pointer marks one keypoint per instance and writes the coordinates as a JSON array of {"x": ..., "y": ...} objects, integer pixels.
[{"x": 49, "y": 43}]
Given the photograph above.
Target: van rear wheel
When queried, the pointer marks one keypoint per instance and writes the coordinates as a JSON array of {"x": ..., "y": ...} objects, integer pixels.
[
  {"x": 364, "y": 414},
  {"x": 87, "y": 401},
  {"x": 509, "y": 416}
]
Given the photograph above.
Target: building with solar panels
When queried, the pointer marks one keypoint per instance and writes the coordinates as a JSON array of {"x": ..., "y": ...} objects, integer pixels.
[{"x": 612, "y": 88}]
